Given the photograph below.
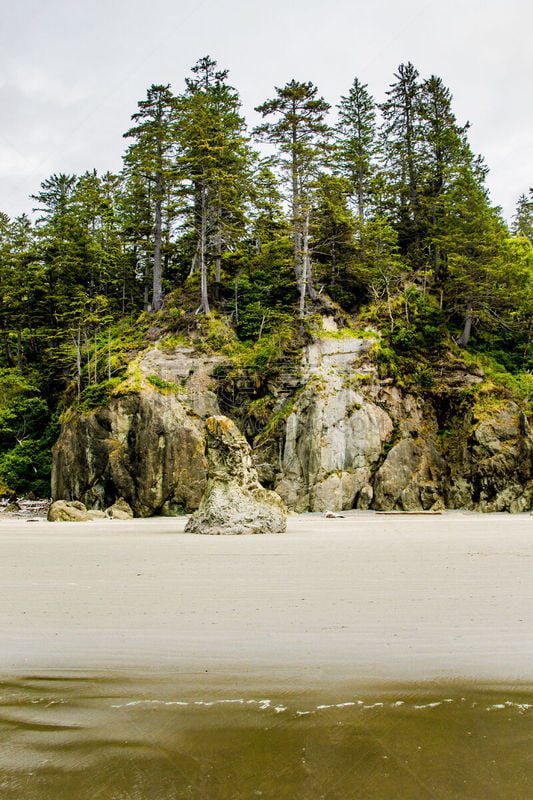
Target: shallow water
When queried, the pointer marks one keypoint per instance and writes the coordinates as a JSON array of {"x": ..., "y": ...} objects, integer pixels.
[{"x": 162, "y": 738}]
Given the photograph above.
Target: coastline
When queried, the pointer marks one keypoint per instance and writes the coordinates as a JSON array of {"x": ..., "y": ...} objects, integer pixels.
[{"x": 364, "y": 600}]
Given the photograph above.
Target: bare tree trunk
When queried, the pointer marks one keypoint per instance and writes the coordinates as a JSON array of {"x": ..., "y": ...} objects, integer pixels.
[
  {"x": 157, "y": 291},
  {"x": 77, "y": 347},
  {"x": 218, "y": 245},
  {"x": 204, "y": 301},
  {"x": 296, "y": 213},
  {"x": 194, "y": 262},
  {"x": 9, "y": 355},
  {"x": 305, "y": 266},
  {"x": 306, "y": 258},
  {"x": 88, "y": 357},
  {"x": 462, "y": 341}
]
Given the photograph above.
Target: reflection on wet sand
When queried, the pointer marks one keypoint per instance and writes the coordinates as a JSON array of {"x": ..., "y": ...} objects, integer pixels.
[{"x": 160, "y": 738}]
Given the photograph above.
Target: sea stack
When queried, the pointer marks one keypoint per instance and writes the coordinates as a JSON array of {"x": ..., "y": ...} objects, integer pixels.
[{"x": 234, "y": 502}]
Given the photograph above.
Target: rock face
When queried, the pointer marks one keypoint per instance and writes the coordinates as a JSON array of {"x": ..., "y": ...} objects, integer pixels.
[
  {"x": 145, "y": 445},
  {"x": 349, "y": 439},
  {"x": 234, "y": 501},
  {"x": 338, "y": 437},
  {"x": 333, "y": 435},
  {"x": 491, "y": 462}
]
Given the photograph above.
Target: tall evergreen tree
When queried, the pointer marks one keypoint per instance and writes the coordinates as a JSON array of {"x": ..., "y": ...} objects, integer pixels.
[
  {"x": 401, "y": 133},
  {"x": 523, "y": 216},
  {"x": 214, "y": 164},
  {"x": 356, "y": 145},
  {"x": 472, "y": 234},
  {"x": 444, "y": 156},
  {"x": 302, "y": 137},
  {"x": 151, "y": 156}
]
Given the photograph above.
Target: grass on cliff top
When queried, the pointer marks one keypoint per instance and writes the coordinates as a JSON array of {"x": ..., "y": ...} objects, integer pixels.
[
  {"x": 161, "y": 385},
  {"x": 410, "y": 333},
  {"x": 416, "y": 344},
  {"x": 518, "y": 384}
]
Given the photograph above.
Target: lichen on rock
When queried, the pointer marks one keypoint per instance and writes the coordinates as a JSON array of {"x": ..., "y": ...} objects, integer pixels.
[
  {"x": 234, "y": 501},
  {"x": 68, "y": 511}
]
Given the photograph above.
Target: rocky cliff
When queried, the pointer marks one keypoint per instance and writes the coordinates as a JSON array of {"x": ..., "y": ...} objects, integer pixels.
[{"x": 336, "y": 436}]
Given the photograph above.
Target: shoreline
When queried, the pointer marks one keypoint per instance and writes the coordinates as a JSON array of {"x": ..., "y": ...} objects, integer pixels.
[{"x": 367, "y": 600}]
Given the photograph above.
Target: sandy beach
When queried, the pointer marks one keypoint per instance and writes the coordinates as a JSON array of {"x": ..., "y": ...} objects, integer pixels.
[{"x": 367, "y": 598}]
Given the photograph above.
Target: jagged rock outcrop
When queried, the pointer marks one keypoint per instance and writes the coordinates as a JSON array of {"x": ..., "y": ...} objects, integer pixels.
[
  {"x": 339, "y": 436},
  {"x": 146, "y": 444},
  {"x": 234, "y": 501}
]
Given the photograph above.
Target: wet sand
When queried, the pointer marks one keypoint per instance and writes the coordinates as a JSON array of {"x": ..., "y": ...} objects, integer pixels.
[
  {"x": 109, "y": 738},
  {"x": 369, "y": 598}
]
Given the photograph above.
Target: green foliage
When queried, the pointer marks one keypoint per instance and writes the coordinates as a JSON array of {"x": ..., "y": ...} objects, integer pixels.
[
  {"x": 417, "y": 323},
  {"x": 518, "y": 384},
  {"x": 96, "y": 395},
  {"x": 26, "y": 467},
  {"x": 279, "y": 416},
  {"x": 165, "y": 387},
  {"x": 27, "y": 433}
]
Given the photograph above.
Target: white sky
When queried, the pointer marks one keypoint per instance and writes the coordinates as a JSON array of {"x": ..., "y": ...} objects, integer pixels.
[{"x": 73, "y": 70}]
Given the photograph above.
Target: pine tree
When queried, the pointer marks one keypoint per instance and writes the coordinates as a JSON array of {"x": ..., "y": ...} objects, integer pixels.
[
  {"x": 301, "y": 135},
  {"x": 151, "y": 156},
  {"x": 401, "y": 135},
  {"x": 472, "y": 234},
  {"x": 357, "y": 147},
  {"x": 55, "y": 196},
  {"x": 445, "y": 155},
  {"x": 214, "y": 165},
  {"x": 523, "y": 217},
  {"x": 334, "y": 248}
]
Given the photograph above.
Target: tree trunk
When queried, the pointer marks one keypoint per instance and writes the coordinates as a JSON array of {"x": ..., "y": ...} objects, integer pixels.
[
  {"x": 306, "y": 283},
  {"x": 296, "y": 212},
  {"x": 302, "y": 286},
  {"x": 194, "y": 262},
  {"x": 236, "y": 302},
  {"x": 462, "y": 341},
  {"x": 204, "y": 301},
  {"x": 157, "y": 291},
  {"x": 9, "y": 354},
  {"x": 306, "y": 261},
  {"x": 218, "y": 247},
  {"x": 77, "y": 345},
  {"x": 88, "y": 357}
]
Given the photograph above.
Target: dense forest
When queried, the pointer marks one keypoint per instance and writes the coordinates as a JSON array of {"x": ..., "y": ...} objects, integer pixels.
[{"x": 377, "y": 211}]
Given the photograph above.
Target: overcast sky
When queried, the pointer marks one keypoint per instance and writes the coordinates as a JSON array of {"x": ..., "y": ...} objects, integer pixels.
[{"x": 73, "y": 70}]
